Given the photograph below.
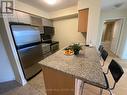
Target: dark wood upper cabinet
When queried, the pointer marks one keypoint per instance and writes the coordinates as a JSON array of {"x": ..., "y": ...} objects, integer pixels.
[{"x": 83, "y": 20}]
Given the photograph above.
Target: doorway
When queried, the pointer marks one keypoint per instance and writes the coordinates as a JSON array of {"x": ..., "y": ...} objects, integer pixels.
[{"x": 111, "y": 34}]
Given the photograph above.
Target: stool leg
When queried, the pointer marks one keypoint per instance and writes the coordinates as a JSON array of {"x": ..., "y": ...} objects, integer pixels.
[
  {"x": 82, "y": 87},
  {"x": 107, "y": 71},
  {"x": 101, "y": 91},
  {"x": 102, "y": 64},
  {"x": 110, "y": 92}
]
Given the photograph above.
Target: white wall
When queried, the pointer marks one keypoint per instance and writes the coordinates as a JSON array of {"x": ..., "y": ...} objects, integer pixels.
[
  {"x": 64, "y": 12},
  {"x": 114, "y": 14},
  {"x": 124, "y": 55},
  {"x": 122, "y": 48},
  {"x": 116, "y": 35},
  {"x": 30, "y": 9},
  {"x": 6, "y": 72},
  {"x": 66, "y": 32},
  {"x": 66, "y": 29},
  {"x": 50, "y": 15},
  {"x": 11, "y": 50},
  {"x": 93, "y": 19},
  {"x": 106, "y": 15}
]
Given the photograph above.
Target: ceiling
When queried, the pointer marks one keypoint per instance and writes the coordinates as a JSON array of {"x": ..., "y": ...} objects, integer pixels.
[
  {"x": 114, "y": 4},
  {"x": 61, "y": 4}
]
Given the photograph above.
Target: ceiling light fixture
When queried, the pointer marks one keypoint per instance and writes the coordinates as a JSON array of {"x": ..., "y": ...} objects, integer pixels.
[{"x": 50, "y": 2}]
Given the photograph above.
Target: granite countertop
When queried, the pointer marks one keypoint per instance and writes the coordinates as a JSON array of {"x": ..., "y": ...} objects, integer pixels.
[{"x": 84, "y": 66}]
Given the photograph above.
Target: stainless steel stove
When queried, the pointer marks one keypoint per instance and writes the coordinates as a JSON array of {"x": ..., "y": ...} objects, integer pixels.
[{"x": 54, "y": 45}]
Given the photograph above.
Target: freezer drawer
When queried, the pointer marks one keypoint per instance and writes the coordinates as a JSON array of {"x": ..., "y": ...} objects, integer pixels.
[{"x": 29, "y": 58}]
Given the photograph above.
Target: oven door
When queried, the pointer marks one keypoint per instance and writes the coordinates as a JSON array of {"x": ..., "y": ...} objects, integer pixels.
[{"x": 55, "y": 47}]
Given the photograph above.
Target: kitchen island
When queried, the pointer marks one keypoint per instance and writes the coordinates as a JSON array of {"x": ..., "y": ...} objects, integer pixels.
[{"x": 60, "y": 71}]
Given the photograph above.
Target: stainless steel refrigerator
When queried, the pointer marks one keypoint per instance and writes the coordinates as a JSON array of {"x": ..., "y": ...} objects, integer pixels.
[{"x": 28, "y": 44}]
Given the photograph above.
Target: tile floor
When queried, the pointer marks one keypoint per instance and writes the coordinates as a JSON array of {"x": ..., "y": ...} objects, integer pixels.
[
  {"x": 36, "y": 85},
  {"x": 33, "y": 87}
]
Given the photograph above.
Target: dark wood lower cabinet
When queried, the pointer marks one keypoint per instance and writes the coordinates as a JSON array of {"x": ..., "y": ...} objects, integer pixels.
[{"x": 58, "y": 83}]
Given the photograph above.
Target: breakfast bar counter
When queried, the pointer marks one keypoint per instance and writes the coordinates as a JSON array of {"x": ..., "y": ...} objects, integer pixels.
[{"x": 84, "y": 66}]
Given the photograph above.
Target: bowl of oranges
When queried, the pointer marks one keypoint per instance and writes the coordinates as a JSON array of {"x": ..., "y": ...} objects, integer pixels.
[
  {"x": 68, "y": 51},
  {"x": 73, "y": 49}
]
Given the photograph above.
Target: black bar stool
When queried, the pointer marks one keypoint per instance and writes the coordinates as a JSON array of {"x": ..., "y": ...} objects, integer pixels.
[
  {"x": 100, "y": 49},
  {"x": 104, "y": 56},
  {"x": 116, "y": 72}
]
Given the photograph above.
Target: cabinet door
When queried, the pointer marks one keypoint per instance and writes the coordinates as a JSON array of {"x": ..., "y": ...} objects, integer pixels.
[
  {"x": 47, "y": 22},
  {"x": 37, "y": 21},
  {"x": 23, "y": 18},
  {"x": 83, "y": 20},
  {"x": 58, "y": 83}
]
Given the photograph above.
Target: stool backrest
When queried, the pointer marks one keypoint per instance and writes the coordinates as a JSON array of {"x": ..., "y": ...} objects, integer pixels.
[
  {"x": 116, "y": 70},
  {"x": 104, "y": 54},
  {"x": 101, "y": 48}
]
